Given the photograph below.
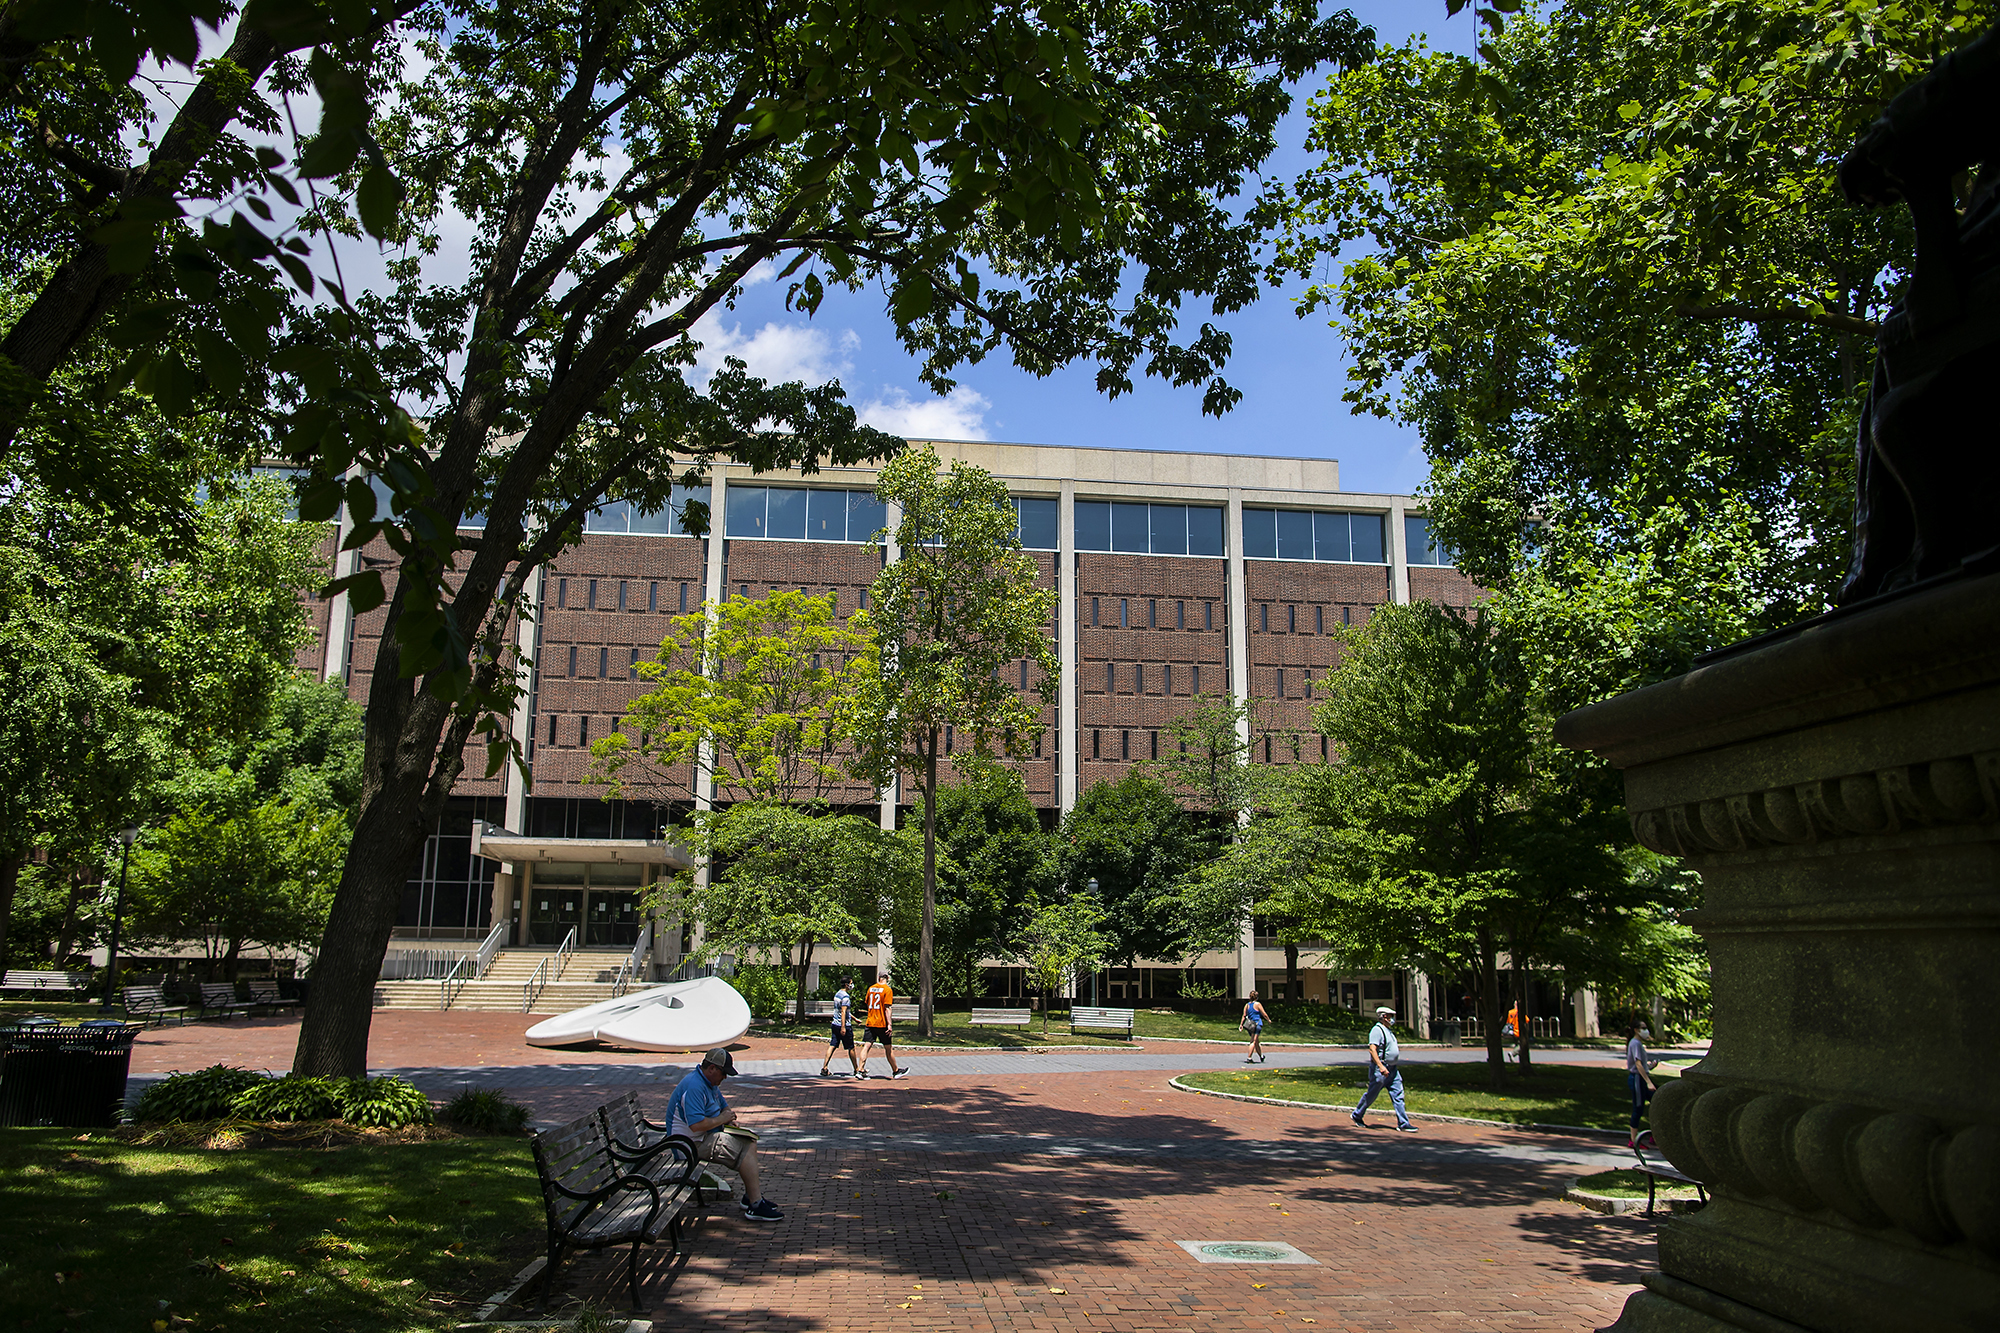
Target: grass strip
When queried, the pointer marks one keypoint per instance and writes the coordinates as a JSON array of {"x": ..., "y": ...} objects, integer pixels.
[
  {"x": 374, "y": 1237},
  {"x": 1591, "y": 1096},
  {"x": 1632, "y": 1185}
]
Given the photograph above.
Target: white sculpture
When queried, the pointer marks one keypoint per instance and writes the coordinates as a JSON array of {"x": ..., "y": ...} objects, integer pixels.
[{"x": 693, "y": 1015}]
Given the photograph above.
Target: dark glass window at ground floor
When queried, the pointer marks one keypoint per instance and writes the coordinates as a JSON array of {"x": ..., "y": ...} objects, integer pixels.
[
  {"x": 449, "y": 894},
  {"x": 589, "y": 817}
]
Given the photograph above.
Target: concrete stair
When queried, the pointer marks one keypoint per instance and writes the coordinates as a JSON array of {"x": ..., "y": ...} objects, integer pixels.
[{"x": 588, "y": 978}]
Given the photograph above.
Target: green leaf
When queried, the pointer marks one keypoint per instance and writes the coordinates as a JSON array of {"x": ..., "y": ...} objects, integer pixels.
[
  {"x": 220, "y": 361},
  {"x": 377, "y": 200}
]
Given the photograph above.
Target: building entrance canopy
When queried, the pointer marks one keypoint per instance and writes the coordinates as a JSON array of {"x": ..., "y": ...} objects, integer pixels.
[{"x": 498, "y": 844}]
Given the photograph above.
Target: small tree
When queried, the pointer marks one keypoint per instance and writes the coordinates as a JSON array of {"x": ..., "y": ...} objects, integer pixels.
[
  {"x": 1059, "y": 941},
  {"x": 782, "y": 875},
  {"x": 1136, "y": 841},
  {"x": 751, "y": 695},
  {"x": 955, "y": 608},
  {"x": 996, "y": 864}
]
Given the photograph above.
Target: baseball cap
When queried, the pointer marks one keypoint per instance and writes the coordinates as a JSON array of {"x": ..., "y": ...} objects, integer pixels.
[{"x": 720, "y": 1059}]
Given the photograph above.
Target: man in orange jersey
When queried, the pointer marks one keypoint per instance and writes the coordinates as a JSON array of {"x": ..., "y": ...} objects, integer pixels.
[{"x": 879, "y": 1028}]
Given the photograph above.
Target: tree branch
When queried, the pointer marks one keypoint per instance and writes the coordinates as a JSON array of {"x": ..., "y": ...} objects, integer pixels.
[
  {"x": 111, "y": 180},
  {"x": 1784, "y": 314}
]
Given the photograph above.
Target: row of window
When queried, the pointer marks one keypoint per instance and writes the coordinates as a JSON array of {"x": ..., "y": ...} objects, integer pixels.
[
  {"x": 792, "y": 513},
  {"x": 1164, "y": 676},
  {"x": 626, "y": 598},
  {"x": 1156, "y": 616},
  {"x": 1101, "y": 746},
  {"x": 623, "y": 516},
  {"x": 1288, "y": 618},
  {"x": 581, "y": 665}
]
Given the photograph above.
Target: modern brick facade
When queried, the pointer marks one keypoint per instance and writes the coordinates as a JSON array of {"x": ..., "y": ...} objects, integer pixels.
[{"x": 1178, "y": 574}]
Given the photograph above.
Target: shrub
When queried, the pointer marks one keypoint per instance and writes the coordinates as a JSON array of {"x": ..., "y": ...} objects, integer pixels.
[
  {"x": 293, "y": 1097},
  {"x": 1199, "y": 990},
  {"x": 486, "y": 1111},
  {"x": 384, "y": 1103},
  {"x": 767, "y": 990},
  {"x": 205, "y": 1094}
]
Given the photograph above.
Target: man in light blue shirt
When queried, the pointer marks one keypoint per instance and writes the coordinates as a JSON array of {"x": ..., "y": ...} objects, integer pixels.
[
  {"x": 843, "y": 1029},
  {"x": 1383, "y": 1053},
  {"x": 698, "y": 1111}
]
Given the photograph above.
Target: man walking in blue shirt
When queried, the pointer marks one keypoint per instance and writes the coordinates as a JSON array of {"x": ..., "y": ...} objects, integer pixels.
[
  {"x": 1383, "y": 1054},
  {"x": 698, "y": 1110}
]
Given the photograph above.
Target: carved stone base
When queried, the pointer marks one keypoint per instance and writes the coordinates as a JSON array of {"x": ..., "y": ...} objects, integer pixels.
[{"x": 1839, "y": 791}]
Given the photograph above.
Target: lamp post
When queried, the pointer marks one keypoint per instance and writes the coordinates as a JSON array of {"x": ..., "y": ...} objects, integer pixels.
[
  {"x": 127, "y": 836},
  {"x": 1093, "y": 962}
]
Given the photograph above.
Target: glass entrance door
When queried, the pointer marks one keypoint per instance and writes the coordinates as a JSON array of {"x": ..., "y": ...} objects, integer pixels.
[
  {"x": 614, "y": 917},
  {"x": 552, "y": 912}
]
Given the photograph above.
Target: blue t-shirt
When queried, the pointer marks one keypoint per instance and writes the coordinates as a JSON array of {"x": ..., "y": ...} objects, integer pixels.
[
  {"x": 693, "y": 1100},
  {"x": 843, "y": 1008},
  {"x": 1384, "y": 1042}
]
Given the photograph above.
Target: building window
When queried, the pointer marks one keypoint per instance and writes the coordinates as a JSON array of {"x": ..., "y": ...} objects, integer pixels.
[
  {"x": 603, "y": 662},
  {"x": 622, "y": 516},
  {"x": 1347, "y": 615},
  {"x": 1167, "y": 678},
  {"x": 1124, "y": 619},
  {"x": 1208, "y": 615},
  {"x": 1037, "y": 523},
  {"x": 1093, "y": 742},
  {"x": 1267, "y": 749},
  {"x": 1155, "y": 742},
  {"x": 1291, "y": 620},
  {"x": 593, "y": 595},
  {"x": 1292, "y": 534},
  {"x": 1125, "y": 744},
  {"x": 1281, "y": 682},
  {"x": 1152, "y": 613},
  {"x": 864, "y": 599},
  {"x": 684, "y": 598},
  {"x": 1319, "y": 620},
  {"x": 562, "y": 592},
  {"x": 1264, "y": 617},
  {"x": 652, "y": 596},
  {"x": 621, "y": 594},
  {"x": 572, "y": 661},
  {"x": 1162, "y": 529},
  {"x": 552, "y": 728},
  {"x": 1194, "y": 684},
  {"x": 1110, "y": 678},
  {"x": 1180, "y": 615},
  {"x": 633, "y": 666},
  {"x": 1419, "y": 546},
  {"x": 1024, "y": 673},
  {"x": 583, "y": 730},
  {"x": 1038, "y": 744},
  {"x": 947, "y": 738},
  {"x": 1093, "y": 613},
  {"x": 795, "y": 514},
  {"x": 1138, "y": 678},
  {"x": 1322, "y": 747}
]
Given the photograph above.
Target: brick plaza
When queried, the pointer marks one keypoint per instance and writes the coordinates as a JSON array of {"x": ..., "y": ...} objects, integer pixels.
[{"x": 964, "y": 1200}]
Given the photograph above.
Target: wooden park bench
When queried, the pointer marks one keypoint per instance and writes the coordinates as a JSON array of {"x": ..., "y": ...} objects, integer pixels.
[
  {"x": 149, "y": 1004},
  {"x": 1088, "y": 1019},
  {"x": 219, "y": 997},
  {"x": 648, "y": 1148},
  {"x": 1002, "y": 1018},
  {"x": 68, "y": 983},
  {"x": 1657, "y": 1168},
  {"x": 264, "y": 995},
  {"x": 594, "y": 1200}
]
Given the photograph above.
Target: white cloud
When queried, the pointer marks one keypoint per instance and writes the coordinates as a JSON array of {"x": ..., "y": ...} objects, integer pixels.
[
  {"x": 961, "y": 416},
  {"x": 778, "y": 353}
]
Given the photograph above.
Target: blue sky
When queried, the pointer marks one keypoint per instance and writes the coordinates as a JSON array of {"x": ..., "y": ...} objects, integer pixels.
[{"x": 1291, "y": 371}]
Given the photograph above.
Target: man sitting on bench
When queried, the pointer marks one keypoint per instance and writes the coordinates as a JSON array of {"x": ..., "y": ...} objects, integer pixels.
[{"x": 698, "y": 1110}]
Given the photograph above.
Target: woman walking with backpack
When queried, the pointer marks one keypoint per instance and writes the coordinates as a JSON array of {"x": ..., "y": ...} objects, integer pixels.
[{"x": 1252, "y": 1022}]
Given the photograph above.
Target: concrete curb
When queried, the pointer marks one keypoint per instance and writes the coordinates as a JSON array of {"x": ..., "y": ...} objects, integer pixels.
[
  {"x": 1176, "y": 1084},
  {"x": 1614, "y": 1206}
]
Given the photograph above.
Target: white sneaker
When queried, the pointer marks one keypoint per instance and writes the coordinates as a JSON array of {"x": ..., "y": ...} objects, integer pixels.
[{"x": 900, "y": 1073}]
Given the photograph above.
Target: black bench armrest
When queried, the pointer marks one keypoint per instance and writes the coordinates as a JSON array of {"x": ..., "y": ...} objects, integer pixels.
[{"x": 626, "y": 1154}]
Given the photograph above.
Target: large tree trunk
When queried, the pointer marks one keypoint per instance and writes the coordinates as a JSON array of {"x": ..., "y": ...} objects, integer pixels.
[
  {"x": 231, "y": 957},
  {"x": 1490, "y": 1011},
  {"x": 805, "y": 965},
  {"x": 66, "y": 937},
  {"x": 10, "y": 878},
  {"x": 930, "y": 886},
  {"x": 1292, "y": 973}
]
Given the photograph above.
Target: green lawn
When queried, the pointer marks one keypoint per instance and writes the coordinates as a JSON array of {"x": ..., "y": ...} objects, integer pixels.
[
  {"x": 1632, "y": 1185},
  {"x": 14, "y": 1010},
  {"x": 1592, "y": 1096},
  {"x": 374, "y": 1237},
  {"x": 1215, "y": 1027}
]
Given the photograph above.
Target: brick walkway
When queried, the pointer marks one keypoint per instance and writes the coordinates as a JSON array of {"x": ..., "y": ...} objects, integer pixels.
[{"x": 1082, "y": 1181}]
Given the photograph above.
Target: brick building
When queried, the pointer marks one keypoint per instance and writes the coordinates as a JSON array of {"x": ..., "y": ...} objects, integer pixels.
[{"x": 1178, "y": 574}]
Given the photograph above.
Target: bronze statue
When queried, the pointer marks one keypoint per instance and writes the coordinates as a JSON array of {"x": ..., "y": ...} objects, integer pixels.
[{"x": 1927, "y": 485}]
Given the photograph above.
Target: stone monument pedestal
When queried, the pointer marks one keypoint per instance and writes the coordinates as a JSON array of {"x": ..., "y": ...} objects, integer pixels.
[{"x": 1839, "y": 792}]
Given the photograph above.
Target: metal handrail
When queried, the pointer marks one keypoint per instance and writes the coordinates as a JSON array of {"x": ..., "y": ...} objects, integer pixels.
[
  {"x": 480, "y": 960},
  {"x": 531, "y": 989},
  {"x": 564, "y": 951},
  {"x": 629, "y": 969}
]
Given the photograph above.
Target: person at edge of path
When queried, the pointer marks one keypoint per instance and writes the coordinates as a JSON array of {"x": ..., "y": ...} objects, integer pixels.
[
  {"x": 880, "y": 1028},
  {"x": 699, "y": 1110},
  {"x": 1253, "y": 1021},
  {"x": 843, "y": 1028},
  {"x": 1639, "y": 1073},
  {"x": 1383, "y": 1055},
  {"x": 1513, "y": 1024}
]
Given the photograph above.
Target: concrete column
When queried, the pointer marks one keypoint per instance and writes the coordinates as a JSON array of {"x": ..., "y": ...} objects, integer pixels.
[
  {"x": 527, "y": 634},
  {"x": 712, "y": 593},
  {"x": 1066, "y": 653},
  {"x": 506, "y": 888},
  {"x": 1419, "y": 1015},
  {"x": 1583, "y": 1005},
  {"x": 885, "y": 948},
  {"x": 1239, "y": 690},
  {"x": 1399, "y": 555},
  {"x": 339, "y": 645}
]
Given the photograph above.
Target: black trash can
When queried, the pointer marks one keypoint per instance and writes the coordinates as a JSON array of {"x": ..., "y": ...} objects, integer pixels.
[
  {"x": 68, "y": 1076},
  {"x": 1445, "y": 1031}
]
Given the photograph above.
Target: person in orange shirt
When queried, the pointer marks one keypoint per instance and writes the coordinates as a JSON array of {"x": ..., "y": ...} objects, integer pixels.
[
  {"x": 880, "y": 1028},
  {"x": 1513, "y": 1027}
]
